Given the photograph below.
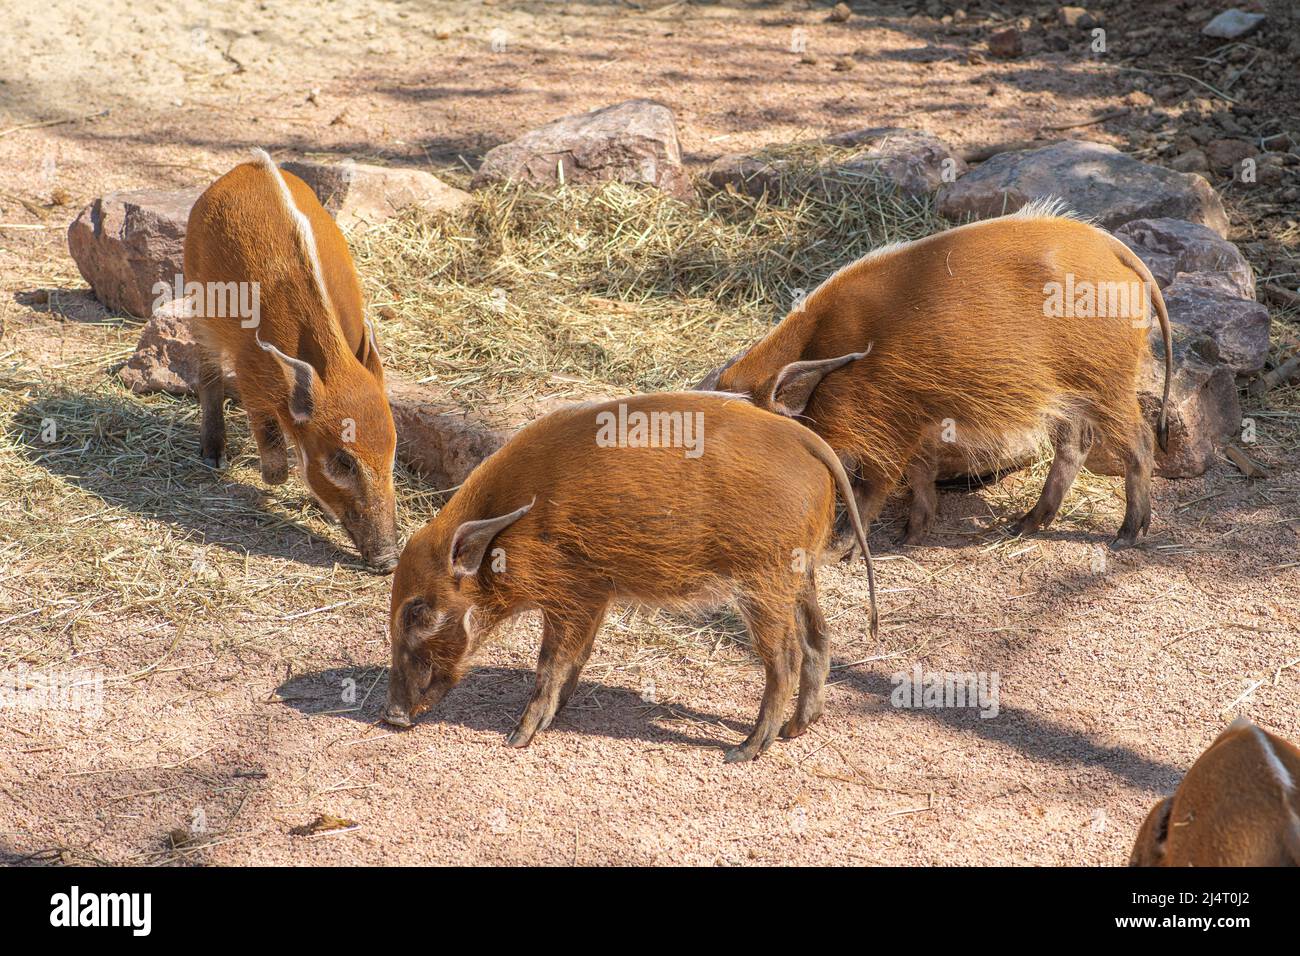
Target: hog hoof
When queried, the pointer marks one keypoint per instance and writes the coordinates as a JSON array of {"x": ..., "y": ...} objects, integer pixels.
[
  {"x": 739, "y": 755},
  {"x": 793, "y": 728},
  {"x": 1022, "y": 526},
  {"x": 215, "y": 462},
  {"x": 1123, "y": 542},
  {"x": 519, "y": 739},
  {"x": 275, "y": 474}
]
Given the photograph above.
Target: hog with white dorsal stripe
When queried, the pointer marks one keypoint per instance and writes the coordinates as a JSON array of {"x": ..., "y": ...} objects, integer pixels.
[{"x": 308, "y": 365}]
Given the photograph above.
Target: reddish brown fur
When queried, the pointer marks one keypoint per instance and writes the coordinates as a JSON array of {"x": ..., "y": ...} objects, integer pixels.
[
  {"x": 625, "y": 524},
  {"x": 1234, "y": 807},
  {"x": 956, "y": 332},
  {"x": 240, "y": 231}
]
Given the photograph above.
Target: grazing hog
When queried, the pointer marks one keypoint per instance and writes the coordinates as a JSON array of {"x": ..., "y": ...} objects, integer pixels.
[
  {"x": 670, "y": 500},
  {"x": 980, "y": 335},
  {"x": 1239, "y": 805},
  {"x": 306, "y": 360}
]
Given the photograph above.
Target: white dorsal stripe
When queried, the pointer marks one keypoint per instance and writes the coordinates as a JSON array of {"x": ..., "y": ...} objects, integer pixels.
[
  {"x": 1046, "y": 207},
  {"x": 1274, "y": 762},
  {"x": 301, "y": 226}
]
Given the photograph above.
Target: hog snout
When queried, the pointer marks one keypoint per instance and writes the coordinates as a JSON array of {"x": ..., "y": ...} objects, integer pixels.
[
  {"x": 382, "y": 563},
  {"x": 376, "y": 540}
]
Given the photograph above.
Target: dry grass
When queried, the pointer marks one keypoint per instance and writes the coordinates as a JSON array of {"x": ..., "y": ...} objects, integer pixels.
[{"x": 610, "y": 289}]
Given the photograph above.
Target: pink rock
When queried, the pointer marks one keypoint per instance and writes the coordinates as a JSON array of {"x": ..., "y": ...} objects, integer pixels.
[
  {"x": 125, "y": 243},
  {"x": 632, "y": 142},
  {"x": 358, "y": 194}
]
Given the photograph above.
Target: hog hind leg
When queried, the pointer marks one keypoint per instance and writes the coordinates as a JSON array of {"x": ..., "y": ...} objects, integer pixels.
[{"x": 1071, "y": 441}]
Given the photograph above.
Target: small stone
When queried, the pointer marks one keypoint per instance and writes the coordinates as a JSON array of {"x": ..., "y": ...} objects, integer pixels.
[
  {"x": 1233, "y": 24},
  {"x": 1076, "y": 18},
  {"x": 1225, "y": 153},
  {"x": 1006, "y": 44},
  {"x": 1192, "y": 161},
  {"x": 840, "y": 13}
]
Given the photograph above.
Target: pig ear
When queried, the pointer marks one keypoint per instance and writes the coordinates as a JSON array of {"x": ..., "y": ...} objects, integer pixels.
[
  {"x": 471, "y": 540},
  {"x": 299, "y": 376},
  {"x": 710, "y": 381},
  {"x": 370, "y": 353},
  {"x": 1149, "y": 850},
  {"x": 796, "y": 382}
]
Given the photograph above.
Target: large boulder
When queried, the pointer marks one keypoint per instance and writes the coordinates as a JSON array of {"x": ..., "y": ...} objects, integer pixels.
[
  {"x": 359, "y": 194},
  {"x": 1171, "y": 246},
  {"x": 1206, "y": 305},
  {"x": 125, "y": 243},
  {"x": 632, "y": 142},
  {"x": 910, "y": 160},
  {"x": 1204, "y": 410},
  {"x": 1096, "y": 181}
]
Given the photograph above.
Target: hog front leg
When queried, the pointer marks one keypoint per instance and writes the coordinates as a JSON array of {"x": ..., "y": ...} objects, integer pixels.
[{"x": 567, "y": 639}]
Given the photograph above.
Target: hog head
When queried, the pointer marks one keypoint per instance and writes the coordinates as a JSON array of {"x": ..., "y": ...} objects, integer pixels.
[
  {"x": 342, "y": 427},
  {"x": 432, "y": 625}
]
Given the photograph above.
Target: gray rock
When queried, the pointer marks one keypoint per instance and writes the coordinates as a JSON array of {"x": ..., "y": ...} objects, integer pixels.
[
  {"x": 360, "y": 194},
  {"x": 125, "y": 243},
  {"x": 1204, "y": 411},
  {"x": 1206, "y": 306},
  {"x": 1192, "y": 161},
  {"x": 1171, "y": 246},
  {"x": 632, "y": 142},
  {"x": 1232, "y": 24},
  {"x": 1096, "y": 181},
  {"x": 912, "y": 161}
]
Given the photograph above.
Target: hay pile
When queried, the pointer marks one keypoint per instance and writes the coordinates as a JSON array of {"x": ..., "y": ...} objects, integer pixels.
[{"x": 583, "y": 291}]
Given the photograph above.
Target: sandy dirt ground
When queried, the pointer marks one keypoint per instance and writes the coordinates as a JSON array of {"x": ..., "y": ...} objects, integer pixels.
[{"x": 223, "y": 737}]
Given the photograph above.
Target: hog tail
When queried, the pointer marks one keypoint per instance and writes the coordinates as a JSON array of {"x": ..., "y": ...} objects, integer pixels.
[
  {"x": 827, "y": 457},
  {"x": 1134, "y": 262}
]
